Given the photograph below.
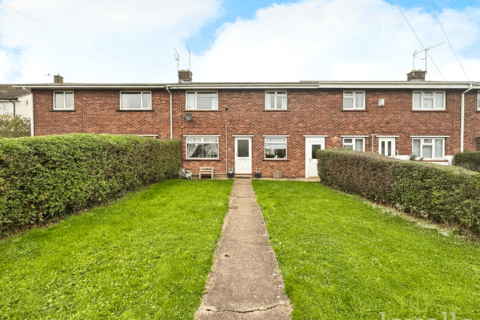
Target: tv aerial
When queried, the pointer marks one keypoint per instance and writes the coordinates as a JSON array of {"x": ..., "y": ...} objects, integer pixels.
[
  {"x": 426, "y": 55},
  {"x": 177, "y": 58}
]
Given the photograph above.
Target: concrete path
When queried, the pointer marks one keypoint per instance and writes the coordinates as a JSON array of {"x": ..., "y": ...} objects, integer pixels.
[{"x": 245, "y": 282}]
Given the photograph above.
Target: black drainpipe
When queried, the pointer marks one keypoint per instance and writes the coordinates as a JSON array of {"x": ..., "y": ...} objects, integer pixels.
[{"x": 13, "y": 102}]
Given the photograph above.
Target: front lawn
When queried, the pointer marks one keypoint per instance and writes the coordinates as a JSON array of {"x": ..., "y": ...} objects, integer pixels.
[
  {"x": 145, "y": 257},
  {"x": 342, "y": 259}
]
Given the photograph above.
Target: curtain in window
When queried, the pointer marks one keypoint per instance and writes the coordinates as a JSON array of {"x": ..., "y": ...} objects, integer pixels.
[
  {"x": 439, "y": 100},
  {"x": 281, "y": 101},
  {"x": 191, "y": 148},
  {"x": 146, "y": 96},
  {"x": 428, "y": 100},
  {"x": 416, "y": 147},
  {"x": 211, "y": 150},
  {"x": 68, "y": 100},
  {"x": 347, "y": 100},
  {"x": 417, "y": 100},
  {"x": 427, "y": 151},
  {"x": 438, "y": 148},
  {"x": 191, "y": 100},
  {"x": 478, "y": 100},
  {"x": 270, "y": 100},
  {"x": 359, "y": 144},
  {"x": 359, "y": 100},
  {"x": 59, "y": 103}
]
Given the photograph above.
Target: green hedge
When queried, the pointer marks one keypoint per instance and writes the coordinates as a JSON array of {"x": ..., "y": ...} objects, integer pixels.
[
  {"x": 444, "y": 193},
  {"x": 44, "y": 177},
  {"x": 469, "y": 160}
]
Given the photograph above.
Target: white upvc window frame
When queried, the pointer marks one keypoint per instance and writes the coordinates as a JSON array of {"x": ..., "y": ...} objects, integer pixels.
[
  {"x": 267, "y": 140},
  {"x": 55, "y": 107},
  {"x": 201, "y": 140},
  {"x": 278, "y": 94},
  {"x": 426, "y": 143},
  {"x": 2, "y": 108},
  {"x": 434, "y": 99},
  {"x": 141, "y": 99},
  {"x": 195, "y": 105},
  {"x": 353, "y": 97},
  {"x": 478, "y": 100},
  {"x": 353, "y": 143}
]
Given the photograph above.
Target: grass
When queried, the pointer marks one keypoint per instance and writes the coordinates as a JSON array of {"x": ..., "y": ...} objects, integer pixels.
[
  {"x": 145, "y": 257},
  {"x": 343, "y": 259}
]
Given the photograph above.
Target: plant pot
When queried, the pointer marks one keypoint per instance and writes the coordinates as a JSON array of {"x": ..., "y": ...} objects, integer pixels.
[
  {"x": 230, "y": 175},
  {"x": 258, "y": 175}
]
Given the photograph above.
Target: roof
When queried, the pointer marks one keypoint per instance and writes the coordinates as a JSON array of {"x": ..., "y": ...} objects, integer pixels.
[
  {"x": 264, "y": 85},
  {"x": 12, "y": 92}
]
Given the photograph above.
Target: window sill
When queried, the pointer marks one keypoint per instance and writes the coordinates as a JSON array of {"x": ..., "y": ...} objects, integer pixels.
[
  {"x": 135, "y": 110},
  {"x": 63, "y": 110},
  {"x": 439, "y": 160},
  {"x": 202, "y": 159},
  {"x": 276, "y": 110},
  {"x": 273, "y": 159},
  {"x": 415, "y": 110},
  {"x": 196, "y": 110},
  {"x": 354, "y": 110}
]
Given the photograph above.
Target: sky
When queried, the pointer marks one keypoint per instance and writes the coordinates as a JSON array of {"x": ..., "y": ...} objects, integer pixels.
[{"x": 126, "y": 41}]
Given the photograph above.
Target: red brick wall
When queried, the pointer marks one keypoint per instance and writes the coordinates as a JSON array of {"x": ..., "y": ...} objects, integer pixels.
[{"x": 310, "y": 112}]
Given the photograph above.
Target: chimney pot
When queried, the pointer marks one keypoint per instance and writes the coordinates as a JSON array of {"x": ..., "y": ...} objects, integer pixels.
[
  {"x": 416, "y": 75},
  {"x": 184, "y": 76},
  {"x": 57, "y": 79}
]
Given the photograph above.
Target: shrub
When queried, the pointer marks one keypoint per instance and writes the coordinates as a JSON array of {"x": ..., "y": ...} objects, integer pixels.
[
  {"x": 469, "y": 160},
  {"x": 444, "y": 193},
  {"x": 14, "y": 127},
  {"x": 42, "y": 178}
]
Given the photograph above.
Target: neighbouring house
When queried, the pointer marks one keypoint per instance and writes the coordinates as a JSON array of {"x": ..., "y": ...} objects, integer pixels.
[
  {"x": 272, "y": 126},
  {"x": 15, "y": 100}
]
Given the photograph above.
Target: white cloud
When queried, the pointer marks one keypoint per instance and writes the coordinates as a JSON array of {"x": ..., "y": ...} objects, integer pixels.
[
  {"x": 96, "y": 41},
  {"x": 339, "y": 40}
]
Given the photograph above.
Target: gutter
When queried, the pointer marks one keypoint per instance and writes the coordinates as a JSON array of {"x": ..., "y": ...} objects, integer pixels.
[
  {"x": 171, "y": 120},
  {"x": 462, "y": 124}
]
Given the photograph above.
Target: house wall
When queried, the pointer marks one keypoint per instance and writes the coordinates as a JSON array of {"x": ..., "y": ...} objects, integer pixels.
[
  {"x": 23, "y": 107},
  {"x": 310, "y": 112}
]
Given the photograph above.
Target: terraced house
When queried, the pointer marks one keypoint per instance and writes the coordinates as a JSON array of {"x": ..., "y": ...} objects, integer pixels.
[{"x": 274, "y": 126}]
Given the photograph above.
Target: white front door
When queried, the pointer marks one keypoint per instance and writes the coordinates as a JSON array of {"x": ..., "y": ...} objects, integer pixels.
[
  {"x": 312, "y": 145},
  {"x": 386, "y": 146},
  {"x": 243, "y": 155}
]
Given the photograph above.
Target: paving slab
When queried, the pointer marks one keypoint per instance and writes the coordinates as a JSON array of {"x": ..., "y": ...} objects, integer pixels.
[{"x": 245, "y": 281}]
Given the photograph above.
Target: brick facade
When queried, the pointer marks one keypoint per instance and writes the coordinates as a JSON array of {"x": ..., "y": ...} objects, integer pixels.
[{"x": 309, "y": 112}]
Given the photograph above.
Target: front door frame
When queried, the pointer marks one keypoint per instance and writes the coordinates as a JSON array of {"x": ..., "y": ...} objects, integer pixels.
[
  {"x": 386, "y": 138},
  {"x": 309, "y": 140},
  {"x": 249, "y": 138}
]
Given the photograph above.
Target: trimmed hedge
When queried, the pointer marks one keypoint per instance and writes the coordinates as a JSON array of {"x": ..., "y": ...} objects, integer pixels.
[
  {"x": 45, "y": 177},
  {"x": 444, "y": 193},
  {"x": 469, "y": 160}
]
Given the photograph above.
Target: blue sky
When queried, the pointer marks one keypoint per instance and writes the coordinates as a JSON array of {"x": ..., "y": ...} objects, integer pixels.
[{"x": 133, "y": 40}]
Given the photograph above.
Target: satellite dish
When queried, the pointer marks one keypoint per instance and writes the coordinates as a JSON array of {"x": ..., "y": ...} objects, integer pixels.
[{"x": 188, "y": 116}]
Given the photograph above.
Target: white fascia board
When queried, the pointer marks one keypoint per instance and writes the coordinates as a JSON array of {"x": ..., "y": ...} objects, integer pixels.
[
  {"x": 201, "y": 135},
  {"x": 427, "y": 136},
  {"x": 92, "y": 87},
  {"x": 313, "y": 136},
  {"x": 400, "y": 85},
  {"x": 276, "y": 136},
  {"x": 353, "y": 136},
  {"x": 243, "y": 135},
  {"x": 246, "y": 87}
]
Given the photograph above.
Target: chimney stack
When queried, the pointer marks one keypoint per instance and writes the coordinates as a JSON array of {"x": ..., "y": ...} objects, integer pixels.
[
  {"x": 416, "y": 75},
  {"x": 57, "y": 79},
  {"x": 184, "y": 76}
]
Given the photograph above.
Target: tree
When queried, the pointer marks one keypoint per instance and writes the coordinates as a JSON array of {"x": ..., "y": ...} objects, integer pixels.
[{"x": 14, "y": 127}]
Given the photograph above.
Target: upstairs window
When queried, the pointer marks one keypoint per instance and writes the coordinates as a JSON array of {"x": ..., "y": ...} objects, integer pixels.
[
  {"x": 353, "y": 100},
  {"x": 428, "y": 100},
  {"x": 276, "y": 100},
  {"x": 357, "y": 144},
  {"x": 276, "y": 148},
  {"x": 202, "y": 100},
  {"x": 428, "y": 148},
  {"x": 136, "y": 100},
  {"x": 478, "y": 100},
  {"x": 63, "y": 100},
  {"x": 202, "y": 148}
]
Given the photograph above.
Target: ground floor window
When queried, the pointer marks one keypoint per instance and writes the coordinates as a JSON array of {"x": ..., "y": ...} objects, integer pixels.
[
  {"x": 275, "y": 148},
  {"x": 202, "y": 148},
  {"x": 428, "y": 148},
  {"x": 3, "y": 108},
  {"x": 357, "y": 144}
]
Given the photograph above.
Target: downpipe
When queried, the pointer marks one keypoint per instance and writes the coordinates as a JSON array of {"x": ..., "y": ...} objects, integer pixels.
[
  {"x": 462, "y": 122},
  {"x": 171, "y": 120}
]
